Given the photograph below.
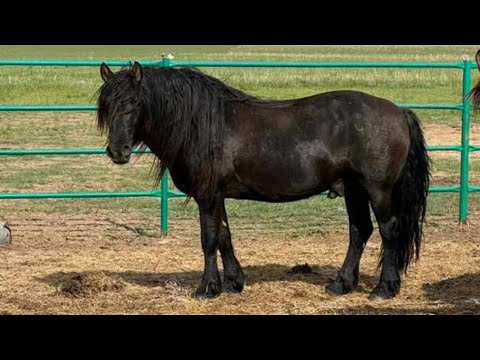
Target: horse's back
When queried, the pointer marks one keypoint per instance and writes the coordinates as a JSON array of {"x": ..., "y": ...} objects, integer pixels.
[{"x": 297, "y": 147}]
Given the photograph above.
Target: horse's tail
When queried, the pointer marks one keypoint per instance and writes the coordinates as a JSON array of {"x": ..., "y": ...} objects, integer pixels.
[{"x": 410, "y": 195}]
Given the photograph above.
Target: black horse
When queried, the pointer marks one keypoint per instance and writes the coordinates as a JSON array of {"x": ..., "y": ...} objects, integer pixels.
[
  {"x": 475, "y": 93},
  {"x": 219, "y": 142}
]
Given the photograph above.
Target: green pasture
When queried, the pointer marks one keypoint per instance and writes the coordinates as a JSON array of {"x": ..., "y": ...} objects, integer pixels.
[{"x": 60, "y": 85}]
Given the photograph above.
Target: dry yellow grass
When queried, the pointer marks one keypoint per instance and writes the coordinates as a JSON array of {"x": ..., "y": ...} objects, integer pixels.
[{"x": 160, "y": 274}]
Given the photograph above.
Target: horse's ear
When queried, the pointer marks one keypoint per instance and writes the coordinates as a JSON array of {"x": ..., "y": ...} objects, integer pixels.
[
  {"x": 137, "y": 71},
  {"x": 477, "y": 57},
  {"x": 105, "y": 72}
]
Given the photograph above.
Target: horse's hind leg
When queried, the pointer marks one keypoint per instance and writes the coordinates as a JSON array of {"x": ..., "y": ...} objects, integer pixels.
[
  {"x": 390, "y": 279},
  {"x": 233, "y": 278},
  {"x": 361, "y": 228}
]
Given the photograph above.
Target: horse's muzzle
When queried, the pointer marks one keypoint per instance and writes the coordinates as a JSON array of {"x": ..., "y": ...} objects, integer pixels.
[{"x": 120, "y": 157}]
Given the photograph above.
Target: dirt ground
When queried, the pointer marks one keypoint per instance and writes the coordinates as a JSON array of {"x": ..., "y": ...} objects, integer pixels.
[
  {"x": 86, "y": 266},
  {"x": 60, "y": 264}
]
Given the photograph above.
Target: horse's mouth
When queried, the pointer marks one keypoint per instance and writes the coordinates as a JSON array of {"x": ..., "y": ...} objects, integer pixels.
[
  {"x": 121, "y": 161},
  {"x": 119, "y": 157}
]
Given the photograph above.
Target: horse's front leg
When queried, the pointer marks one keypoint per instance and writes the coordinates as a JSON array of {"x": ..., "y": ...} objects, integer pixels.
[{"x": 210, "y": 222}]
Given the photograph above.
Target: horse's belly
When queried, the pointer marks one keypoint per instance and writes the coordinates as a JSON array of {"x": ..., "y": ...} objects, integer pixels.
[{"x": 282, "y": 177}]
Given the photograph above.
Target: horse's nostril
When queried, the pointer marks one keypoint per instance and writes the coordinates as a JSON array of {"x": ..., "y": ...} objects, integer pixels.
[{"x": 127, "y": 147}]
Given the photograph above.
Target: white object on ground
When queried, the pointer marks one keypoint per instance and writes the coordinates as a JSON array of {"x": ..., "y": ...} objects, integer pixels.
[{"x": 5, "y": 234}]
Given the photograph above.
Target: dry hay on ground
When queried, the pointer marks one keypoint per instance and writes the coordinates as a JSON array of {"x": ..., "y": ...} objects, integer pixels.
[
  {"x": 88, "y": 284},
  {"x": 119, "y": 271}
]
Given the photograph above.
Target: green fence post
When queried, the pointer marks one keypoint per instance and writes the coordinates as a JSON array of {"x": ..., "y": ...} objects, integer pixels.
[
  {"x": 166, "y": 62},
  {"x": 465, "y": 155},
  {"x": 164, "y": 204}
]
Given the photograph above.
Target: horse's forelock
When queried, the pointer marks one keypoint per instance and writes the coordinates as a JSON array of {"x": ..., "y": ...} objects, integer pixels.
[{"x": 112, "y": 95}]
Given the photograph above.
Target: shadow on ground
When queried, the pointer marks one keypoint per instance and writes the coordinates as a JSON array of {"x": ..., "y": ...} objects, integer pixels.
[
  {"x": 320, "y": 276},
  {"x": 455, "y": 296},
  {"x": 459, "y": 295}
]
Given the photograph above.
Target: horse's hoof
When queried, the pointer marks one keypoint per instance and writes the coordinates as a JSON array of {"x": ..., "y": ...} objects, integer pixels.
[
  {"x": 232, "y": 286},
  {"x": 341, "y": 287},
  {"x": 380, "y": 296},
  {"x": 208, "y": 290},
  {"x": 385, "y": 291}
]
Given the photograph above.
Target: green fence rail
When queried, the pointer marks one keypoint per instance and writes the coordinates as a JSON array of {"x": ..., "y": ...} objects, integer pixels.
[{"x": 164, "y": 194}]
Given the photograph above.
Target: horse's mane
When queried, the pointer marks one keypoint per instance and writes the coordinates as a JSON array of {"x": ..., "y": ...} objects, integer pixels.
[
  {"x": 475, "y": 92},
  {"x": 182, "y": 110},
  {"x": 475, "y": 96}
]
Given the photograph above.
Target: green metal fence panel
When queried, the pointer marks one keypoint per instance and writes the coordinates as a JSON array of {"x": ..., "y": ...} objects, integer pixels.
[
  {"x": 56, "y": 152},
  {"x": 36, "y": 108},
  {"x": 78, "y": 108},
  {"x": 236, "y": 64},
  {"x": 79, "y": 195},
  {"x": 465, "y": 154},
  {"x": 164, "y": 204},
  {"x": 165, "y": 194}
]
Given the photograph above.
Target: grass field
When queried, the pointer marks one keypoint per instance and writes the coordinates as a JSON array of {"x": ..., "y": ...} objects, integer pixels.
[{"x": 55, "y": 236}]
